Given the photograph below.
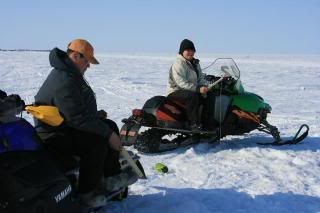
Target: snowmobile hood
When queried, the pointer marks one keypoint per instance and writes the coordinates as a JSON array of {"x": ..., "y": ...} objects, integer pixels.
[{"x": 59, "y": 60}]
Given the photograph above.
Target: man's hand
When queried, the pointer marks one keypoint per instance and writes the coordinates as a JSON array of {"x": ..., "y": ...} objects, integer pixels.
[
  {"x": 114, "y": 142},
  {"x": 203, "y": 90},
  {"x": 102, "y": 114}
]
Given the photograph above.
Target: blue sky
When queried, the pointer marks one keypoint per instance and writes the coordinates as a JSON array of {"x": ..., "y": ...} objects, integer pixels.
[{"x": 225, "y": 26}]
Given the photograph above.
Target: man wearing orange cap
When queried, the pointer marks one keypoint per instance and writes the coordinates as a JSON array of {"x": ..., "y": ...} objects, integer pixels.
[{"x": 85, "y": 131}]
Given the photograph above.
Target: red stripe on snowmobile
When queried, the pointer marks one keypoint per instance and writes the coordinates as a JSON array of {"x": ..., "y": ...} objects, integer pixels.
[
  {"x": 163, "y": 116},
  {"x": 172, "y": 109},
  {"x": 245, "y": 115}
]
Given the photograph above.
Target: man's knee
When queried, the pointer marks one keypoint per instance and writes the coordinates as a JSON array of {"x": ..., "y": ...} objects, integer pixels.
[
  {"x": 184, "y": 95},
  {"x": 112, "y": 125},
  {"x": 193, "y": 97}
]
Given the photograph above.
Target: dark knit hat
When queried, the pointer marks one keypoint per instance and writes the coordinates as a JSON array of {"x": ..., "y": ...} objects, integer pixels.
[{"x": 186, "y": 44}]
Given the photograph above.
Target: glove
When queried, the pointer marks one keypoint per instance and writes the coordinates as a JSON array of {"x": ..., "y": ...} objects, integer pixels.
[
  {"x": 15, "y": 100},
  {"x": 211, "y": 78},
  {"x": 228, "y": 80},
  {"x": 102, "y": 114}
]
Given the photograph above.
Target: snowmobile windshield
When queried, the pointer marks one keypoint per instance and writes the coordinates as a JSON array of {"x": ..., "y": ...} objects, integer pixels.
[{"x": 223, "y": 66}]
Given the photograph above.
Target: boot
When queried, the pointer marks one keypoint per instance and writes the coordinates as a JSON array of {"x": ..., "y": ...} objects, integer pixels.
[
  {"x": 195, "y": 128},
  {"x": 119, "y": 181},
  {"x": 93, "y": 199}
]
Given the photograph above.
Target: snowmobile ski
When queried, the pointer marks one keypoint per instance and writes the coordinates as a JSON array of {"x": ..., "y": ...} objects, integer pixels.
[{"x": 296, "y": 139}]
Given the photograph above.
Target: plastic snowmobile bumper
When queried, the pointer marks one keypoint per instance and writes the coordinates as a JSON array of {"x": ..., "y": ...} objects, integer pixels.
[{"x": 129, "y": 132}]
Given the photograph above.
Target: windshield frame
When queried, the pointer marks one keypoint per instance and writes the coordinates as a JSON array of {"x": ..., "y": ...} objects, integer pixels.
[{"x": 224, "y": 59}]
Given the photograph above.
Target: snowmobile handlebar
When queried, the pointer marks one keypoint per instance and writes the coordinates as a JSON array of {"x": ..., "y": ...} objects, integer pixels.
[
  {"x": 213, "y": 80},
  {"x": 47, "y": 114}
]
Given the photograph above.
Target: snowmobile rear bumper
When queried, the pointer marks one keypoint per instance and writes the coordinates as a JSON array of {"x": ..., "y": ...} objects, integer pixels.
[{"x": 129, "y": 132}]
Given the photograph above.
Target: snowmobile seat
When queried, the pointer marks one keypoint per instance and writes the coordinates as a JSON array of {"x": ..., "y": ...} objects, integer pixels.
[
  {"x": 165, "y": 109},
  {"x": 153, "y": 104},
  {"x": 179, "y": 103},
  {"x": 171, "y": 110}
]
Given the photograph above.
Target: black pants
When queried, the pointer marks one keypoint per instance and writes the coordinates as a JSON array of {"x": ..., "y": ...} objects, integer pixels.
[
  {"x": 207, "y": 115},
  {"x": 192, "y": 101},
  {"x": 97, "y": 159}
]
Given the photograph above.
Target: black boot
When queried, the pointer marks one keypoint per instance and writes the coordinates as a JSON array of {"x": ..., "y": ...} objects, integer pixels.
[{"x": 195, "y": 128}]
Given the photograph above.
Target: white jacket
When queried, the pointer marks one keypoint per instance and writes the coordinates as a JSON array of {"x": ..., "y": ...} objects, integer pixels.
[{"x": 182, "y": 76}]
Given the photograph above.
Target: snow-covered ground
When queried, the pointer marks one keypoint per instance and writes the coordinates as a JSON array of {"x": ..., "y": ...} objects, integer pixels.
[{"x": 235, "y": 175}]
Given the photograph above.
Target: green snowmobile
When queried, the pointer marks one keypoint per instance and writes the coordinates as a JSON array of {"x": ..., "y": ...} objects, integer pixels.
[{"x": 161, "y": 124}]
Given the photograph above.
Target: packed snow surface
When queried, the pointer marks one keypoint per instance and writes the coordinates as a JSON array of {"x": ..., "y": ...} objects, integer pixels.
[{"x": 235, "y": 175}]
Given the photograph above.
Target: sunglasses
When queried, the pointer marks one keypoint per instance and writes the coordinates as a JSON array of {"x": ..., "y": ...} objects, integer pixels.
[{"x": 82, "y": 56}]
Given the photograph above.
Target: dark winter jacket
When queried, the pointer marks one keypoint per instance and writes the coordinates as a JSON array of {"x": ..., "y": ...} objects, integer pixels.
[{"x": 66, "y": 89}]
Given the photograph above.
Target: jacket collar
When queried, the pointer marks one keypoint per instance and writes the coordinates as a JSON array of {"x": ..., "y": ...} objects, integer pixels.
[
  {"x": 180, "y": 57},
  {"x": 60, "y": 60}
]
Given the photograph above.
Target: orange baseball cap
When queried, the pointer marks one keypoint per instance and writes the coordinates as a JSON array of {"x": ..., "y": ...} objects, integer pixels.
[{"x": 85, "y": 48}]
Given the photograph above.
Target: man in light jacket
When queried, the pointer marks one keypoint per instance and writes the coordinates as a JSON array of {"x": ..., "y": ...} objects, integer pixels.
[{"x": 187, "y": 83}]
